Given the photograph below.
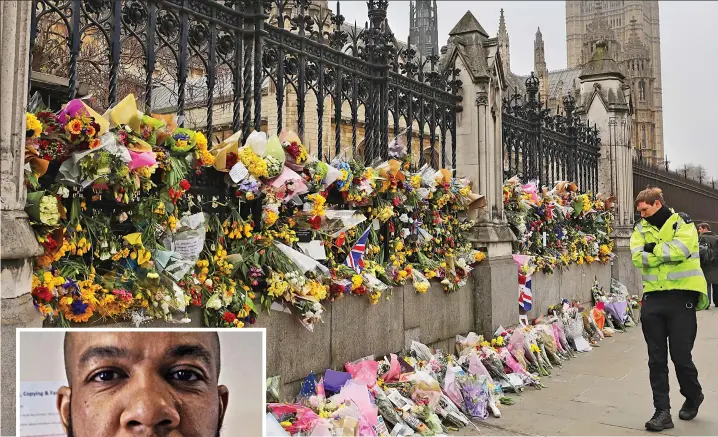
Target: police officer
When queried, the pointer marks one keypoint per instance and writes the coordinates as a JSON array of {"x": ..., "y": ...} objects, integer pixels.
[{"x": 664, "y": 245}]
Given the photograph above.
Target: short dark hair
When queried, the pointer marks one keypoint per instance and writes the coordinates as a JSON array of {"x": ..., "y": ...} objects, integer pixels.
[
  {"x": 705, "y": 226},
  {"x": 650, "y": 196},
  {"x": 66, "y": 349}
]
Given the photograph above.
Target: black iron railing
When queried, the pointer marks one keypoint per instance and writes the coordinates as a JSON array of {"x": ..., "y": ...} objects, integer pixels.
[
  {"x": 548, "y": 148},
  {"x": 243, "y": 49}
]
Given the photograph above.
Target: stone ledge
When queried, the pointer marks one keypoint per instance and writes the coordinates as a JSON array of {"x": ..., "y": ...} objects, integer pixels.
[
  {"x": 492, "y": 233},
  {"x": 18, "y": 237},
  {"x": 20, "y": 311}
]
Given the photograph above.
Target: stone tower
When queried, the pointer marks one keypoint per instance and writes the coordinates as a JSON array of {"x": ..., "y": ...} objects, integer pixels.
[
  {"x": 637, "y": 63},
  {"x": 503, "y": 37},
  {"x": 609, "y": 20},
  {"x": 540, "y": 68},
  {"x": 423, "y": 26}
]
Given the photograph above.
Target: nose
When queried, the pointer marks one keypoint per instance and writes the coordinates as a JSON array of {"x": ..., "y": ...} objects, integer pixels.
[{"x": 150, "y": 409}]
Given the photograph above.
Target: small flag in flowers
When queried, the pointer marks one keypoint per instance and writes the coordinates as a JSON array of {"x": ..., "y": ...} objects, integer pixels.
[
  {"x": 309, "y": 387},
  {"x": 355, "y": 259},
  {"x": 525, "y": 296}
]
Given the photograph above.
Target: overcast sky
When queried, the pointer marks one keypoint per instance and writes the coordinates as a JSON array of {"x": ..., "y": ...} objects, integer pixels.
[{"x": 689, "y": 59}]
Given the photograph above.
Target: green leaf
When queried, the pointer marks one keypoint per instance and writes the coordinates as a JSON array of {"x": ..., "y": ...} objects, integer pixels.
[{"x": 179, "y": 169}]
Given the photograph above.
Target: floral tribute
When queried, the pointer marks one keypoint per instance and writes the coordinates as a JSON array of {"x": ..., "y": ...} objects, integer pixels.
[
  {"x": 426, "y": 391},
  {"x": 559, "y": 227},
  {"x": 142, "y": 219}
]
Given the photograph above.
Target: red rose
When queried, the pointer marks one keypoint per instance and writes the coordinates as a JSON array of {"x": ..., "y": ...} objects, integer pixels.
[
  {"x": 185, "y": 185},
  {"x": 229, "y": 317},
  {"x": 42, "y": 293},
  {"x": 50, "y": 244},
  {"x": 231, "y": 159},
  {"x": 316, "y": 222}
]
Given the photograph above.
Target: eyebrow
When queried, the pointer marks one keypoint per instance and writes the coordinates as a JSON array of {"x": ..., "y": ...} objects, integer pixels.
[
  {"x": 192, "y": 351},
  {"x": 100, "y": 352}
]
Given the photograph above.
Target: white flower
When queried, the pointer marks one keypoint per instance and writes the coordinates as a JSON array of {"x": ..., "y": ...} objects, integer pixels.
[
  {"x": 208, "y": 282},
  {"x": 317, "y": 306},
  {"x": 165, "y": 307},
  {"x": 214, "y": 302},
  {"x": 64, "y": 192},
  {"x": 180, "y": 303},
  {"x": 404, "y": 218}
]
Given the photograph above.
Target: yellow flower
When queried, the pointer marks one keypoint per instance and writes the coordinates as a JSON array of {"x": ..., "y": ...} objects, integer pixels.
[
  {"x": 134, "y": 239},
  {"x": 200, "y": 140},
  {"x": 143, "y": 256},
  {"x": 172, "y": 222},
  {"x": 33, "y": 124},
  {"x": 47, "y": 277},
  {"x": 270, "y": 217},
  {"x": 74, "y": 127},
  {"x": 479, "y": 256},
  {"x": 374, "y": 297},
  {"x": 421, "y": 286}
]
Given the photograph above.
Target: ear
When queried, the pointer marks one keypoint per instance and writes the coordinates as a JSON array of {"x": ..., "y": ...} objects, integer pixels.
[
  {"x": 223, "y": 394},
  {"x": 63, "y": 407}
]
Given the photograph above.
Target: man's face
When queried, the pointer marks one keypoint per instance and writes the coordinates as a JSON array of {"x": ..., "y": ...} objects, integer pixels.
[
  {"x": 702, "y": 230},
  {"x": 142, "y": 384},
  {"x": 647, "y": 210}
]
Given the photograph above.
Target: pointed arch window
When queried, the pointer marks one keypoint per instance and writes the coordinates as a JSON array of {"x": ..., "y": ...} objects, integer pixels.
[{"x": 642, "y": 91}]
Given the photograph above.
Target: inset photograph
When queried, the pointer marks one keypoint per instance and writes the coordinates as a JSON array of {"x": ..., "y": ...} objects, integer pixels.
[{"x": 158, "y": 382}]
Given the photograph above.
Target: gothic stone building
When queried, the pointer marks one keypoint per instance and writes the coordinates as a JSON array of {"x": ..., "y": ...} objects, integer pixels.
[{"x": 630, "y": 31}]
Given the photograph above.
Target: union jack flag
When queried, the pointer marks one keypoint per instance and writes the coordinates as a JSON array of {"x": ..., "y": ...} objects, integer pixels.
[
  {"x": 356, "y": 255},
  {"x": 525, "y": 295}
]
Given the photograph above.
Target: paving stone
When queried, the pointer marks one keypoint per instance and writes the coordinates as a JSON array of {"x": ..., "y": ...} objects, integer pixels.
[{"x": 598, "y": 429}]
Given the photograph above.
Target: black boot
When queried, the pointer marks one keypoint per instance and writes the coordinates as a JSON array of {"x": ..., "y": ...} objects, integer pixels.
[
  {"x": 661, "y": 420},
  {"x": 689, "y": 410}
]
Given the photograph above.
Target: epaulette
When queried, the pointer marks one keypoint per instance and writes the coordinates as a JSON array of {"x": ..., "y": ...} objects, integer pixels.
[{"x": 686, "y": 218}]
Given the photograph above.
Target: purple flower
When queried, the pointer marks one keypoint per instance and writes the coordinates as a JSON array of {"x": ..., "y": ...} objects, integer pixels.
[{"x": 78, "y": 308}]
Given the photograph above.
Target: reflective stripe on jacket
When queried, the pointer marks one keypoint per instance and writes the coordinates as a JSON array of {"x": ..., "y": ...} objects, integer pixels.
[{"x": 674, "y": 263}]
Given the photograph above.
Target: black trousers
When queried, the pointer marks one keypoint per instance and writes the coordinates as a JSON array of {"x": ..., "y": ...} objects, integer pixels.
[
  {"x": 670, "y": 315},
  {"x": 714, "y": 299}
]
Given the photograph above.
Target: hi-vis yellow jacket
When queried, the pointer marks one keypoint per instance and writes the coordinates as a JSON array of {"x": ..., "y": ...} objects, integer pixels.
[{"x": 674, "y": 263}]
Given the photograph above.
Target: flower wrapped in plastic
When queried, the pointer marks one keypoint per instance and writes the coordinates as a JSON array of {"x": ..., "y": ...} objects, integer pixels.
[
  {"x": 421, "y": 284},
  {"x": 43, "y": 209}
]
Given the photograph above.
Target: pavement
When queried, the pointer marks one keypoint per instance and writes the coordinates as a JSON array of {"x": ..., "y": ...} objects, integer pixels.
[{"x": 605, "y": 392}]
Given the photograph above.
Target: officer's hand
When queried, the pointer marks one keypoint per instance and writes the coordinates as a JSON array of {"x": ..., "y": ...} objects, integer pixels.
[{"x": 648, "y": 247}]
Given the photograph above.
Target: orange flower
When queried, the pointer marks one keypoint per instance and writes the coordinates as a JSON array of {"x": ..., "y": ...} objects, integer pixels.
[
  {"x": 95, "y": 143},
  {"x": 74, "y": 127},
  {"x": 90, "y": 131}
]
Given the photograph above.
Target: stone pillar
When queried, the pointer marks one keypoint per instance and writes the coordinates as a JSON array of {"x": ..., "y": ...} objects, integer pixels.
[
  {"x": 19, "y": 245},
  {"x": 479, "y": 146}
]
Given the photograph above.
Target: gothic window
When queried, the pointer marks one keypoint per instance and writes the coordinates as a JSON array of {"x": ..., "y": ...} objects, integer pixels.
[
  {"x": 643, "y": 137},
  {"x": 641, "y": 91}
]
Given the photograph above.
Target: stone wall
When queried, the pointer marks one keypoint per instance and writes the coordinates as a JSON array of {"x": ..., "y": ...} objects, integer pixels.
[
  {"x": 573, "y": 284},
  {"x": 354, "y": 328}
]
